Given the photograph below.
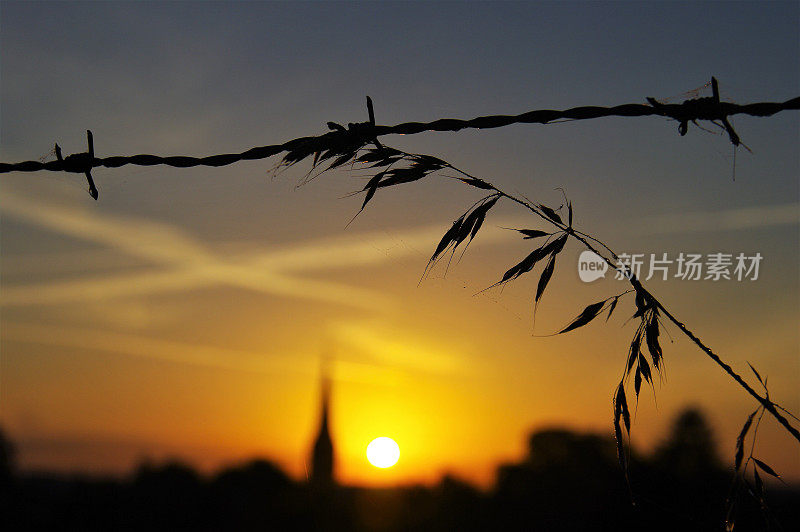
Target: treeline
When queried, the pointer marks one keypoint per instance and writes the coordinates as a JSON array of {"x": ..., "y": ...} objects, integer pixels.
[{"x": 567, "y": 481}]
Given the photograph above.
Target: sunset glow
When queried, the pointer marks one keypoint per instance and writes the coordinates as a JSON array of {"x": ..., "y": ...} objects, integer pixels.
[{"x": 383, "y": 452}]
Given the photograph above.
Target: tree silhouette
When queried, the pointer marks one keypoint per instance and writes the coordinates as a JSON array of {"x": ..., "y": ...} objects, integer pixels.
[
  {"x": 7, "y": 458},
  {"x": 690, "y": 447},
  {"x": 566, "y": 481}
]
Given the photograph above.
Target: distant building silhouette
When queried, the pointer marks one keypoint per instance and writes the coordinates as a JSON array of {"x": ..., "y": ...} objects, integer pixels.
[
  {"x": 689, "y": 450},
  {"x": 322, "y": 453}
]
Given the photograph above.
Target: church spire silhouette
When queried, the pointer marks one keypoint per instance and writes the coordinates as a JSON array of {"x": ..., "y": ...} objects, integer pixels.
[{"x": 322, "y": 454}]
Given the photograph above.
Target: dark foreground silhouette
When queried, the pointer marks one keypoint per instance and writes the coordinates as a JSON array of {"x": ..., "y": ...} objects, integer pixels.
[{"x": 568, "y": 481}]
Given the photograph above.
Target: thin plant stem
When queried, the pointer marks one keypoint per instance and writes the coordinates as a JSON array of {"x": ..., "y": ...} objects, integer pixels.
[{"x": 584, "y": 238}]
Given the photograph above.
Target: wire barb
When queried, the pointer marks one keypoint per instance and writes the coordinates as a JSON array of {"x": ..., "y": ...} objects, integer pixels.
[
  {"x": 81, "y": 163},
  {"x": 708, "y": 108}
]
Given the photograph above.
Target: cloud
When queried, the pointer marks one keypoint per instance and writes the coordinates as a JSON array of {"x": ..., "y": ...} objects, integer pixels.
[
  {"x": 199, "y": 355},
  {"x": 147, "y": 347},
  {"x": 727, "y": 220},
  {"x": 181, "y": 263},
  {"x": 390, "y": 348},
  {"x": 100, "y": 287}
]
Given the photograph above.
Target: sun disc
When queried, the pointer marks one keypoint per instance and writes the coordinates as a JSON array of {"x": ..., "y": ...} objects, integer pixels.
[{"x": 383, "y": 452}]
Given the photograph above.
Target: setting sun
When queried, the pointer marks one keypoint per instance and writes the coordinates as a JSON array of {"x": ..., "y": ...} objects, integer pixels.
[{"x": 383, "y": 452}]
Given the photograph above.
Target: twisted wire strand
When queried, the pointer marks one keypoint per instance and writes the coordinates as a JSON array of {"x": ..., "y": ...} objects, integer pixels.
[{"x": 690, "y": 110}]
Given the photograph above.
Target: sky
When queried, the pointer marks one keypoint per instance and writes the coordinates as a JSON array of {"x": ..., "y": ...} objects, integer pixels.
[{"x": 186, "y": 313}]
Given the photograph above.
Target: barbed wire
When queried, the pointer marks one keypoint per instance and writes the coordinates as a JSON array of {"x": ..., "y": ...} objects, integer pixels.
[{"x": 359, "y": 134}]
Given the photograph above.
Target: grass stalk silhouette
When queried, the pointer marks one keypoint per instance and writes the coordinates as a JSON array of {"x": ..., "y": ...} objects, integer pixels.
[
  {"x": 467, "y": 226},
  {"x": 394, "y": 167}
]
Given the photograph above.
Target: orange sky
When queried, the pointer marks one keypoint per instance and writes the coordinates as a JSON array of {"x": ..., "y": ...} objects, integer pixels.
[{"x": 211, "y": 356}]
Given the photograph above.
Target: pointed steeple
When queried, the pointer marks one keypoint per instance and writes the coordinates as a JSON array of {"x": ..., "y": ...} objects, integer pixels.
[{"x": 322, "y": 454}]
